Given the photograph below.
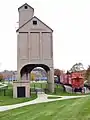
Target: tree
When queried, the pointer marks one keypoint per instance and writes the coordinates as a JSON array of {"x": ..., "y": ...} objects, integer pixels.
[
  {"x": 87, "y": 75},
  {"x": 57, "y": 73},
  {"x": 1, "y": 77},
  {"x": 32, "y": 76},
  {"x": 77, "y": 67}
]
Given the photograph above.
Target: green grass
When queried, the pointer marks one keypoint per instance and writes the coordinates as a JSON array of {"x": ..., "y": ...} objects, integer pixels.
[
  {"x": 75, "y": 109},
  {"x": 8, "y": 98},
  {"x": 38, "y": 85}
]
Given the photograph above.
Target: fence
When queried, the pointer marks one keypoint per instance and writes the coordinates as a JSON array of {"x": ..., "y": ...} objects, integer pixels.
[{"x": 43, "y": 87}]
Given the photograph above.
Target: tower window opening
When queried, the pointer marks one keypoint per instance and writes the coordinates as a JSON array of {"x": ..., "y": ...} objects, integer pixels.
[
  {"x": 34, "y": 22},
  {"x": 26, "y": 7}
]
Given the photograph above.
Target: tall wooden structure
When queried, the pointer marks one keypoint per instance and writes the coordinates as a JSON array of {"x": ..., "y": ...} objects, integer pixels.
[{"x": 34, "y": 49}]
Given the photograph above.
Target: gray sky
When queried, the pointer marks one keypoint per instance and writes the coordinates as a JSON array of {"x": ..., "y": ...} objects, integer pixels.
[{"x": 70, "y": 20}]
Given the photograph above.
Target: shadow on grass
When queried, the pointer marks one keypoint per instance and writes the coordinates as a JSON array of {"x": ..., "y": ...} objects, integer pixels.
[{"x": 54, "y": 97}]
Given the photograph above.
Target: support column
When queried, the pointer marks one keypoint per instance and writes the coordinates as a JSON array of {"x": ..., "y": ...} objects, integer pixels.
[
  {"x": 18, "y": 76},
  {"x": 41, "y": 49},
  {"x": 29, "y": 76},
  {"x": 24, "y": 77},
  {"x": 51, "y": 80}
]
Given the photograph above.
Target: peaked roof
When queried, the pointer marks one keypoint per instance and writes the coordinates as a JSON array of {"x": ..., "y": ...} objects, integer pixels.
[
  {"x": 30, "y": 20},
  {"x": 24, "y": 5}
]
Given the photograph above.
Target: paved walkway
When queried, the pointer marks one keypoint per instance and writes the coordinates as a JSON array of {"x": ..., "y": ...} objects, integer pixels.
[
  {"x": 3, "y": 85},
  {"x": 42, "y": 97}
]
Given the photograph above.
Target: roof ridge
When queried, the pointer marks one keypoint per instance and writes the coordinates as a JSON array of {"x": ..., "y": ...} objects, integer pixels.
[
  {"x": 30, "y": 20},
  {"x": 24, "y": 5}
]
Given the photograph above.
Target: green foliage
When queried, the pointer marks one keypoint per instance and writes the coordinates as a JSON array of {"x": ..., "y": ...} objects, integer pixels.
[
  {"x": 1, "y": 78},
  {"x": 32, "y": 76},
  {"x": 77, "y": 67},
  {"x": 87, "y": 75}
]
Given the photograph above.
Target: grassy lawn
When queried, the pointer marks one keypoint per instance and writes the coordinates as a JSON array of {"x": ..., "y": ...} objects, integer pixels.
[
  {"x": 8, "y": 99},
  {"x": 38, "y": 85},
  {"x": 75, "y": 109}
]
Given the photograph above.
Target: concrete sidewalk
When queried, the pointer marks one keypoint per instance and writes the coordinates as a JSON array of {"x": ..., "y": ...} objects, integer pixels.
[
  {"x": 42, "y": 98},
  {"x": 3, "y": 85}
]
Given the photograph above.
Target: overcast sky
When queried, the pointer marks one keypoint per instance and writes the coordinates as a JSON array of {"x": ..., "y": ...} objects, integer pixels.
[{"x": 70, "y": 20}]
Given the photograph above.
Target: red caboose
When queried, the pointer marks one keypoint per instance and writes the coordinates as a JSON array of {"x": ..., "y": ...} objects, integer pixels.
[{"x": 77, "y": 80}]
